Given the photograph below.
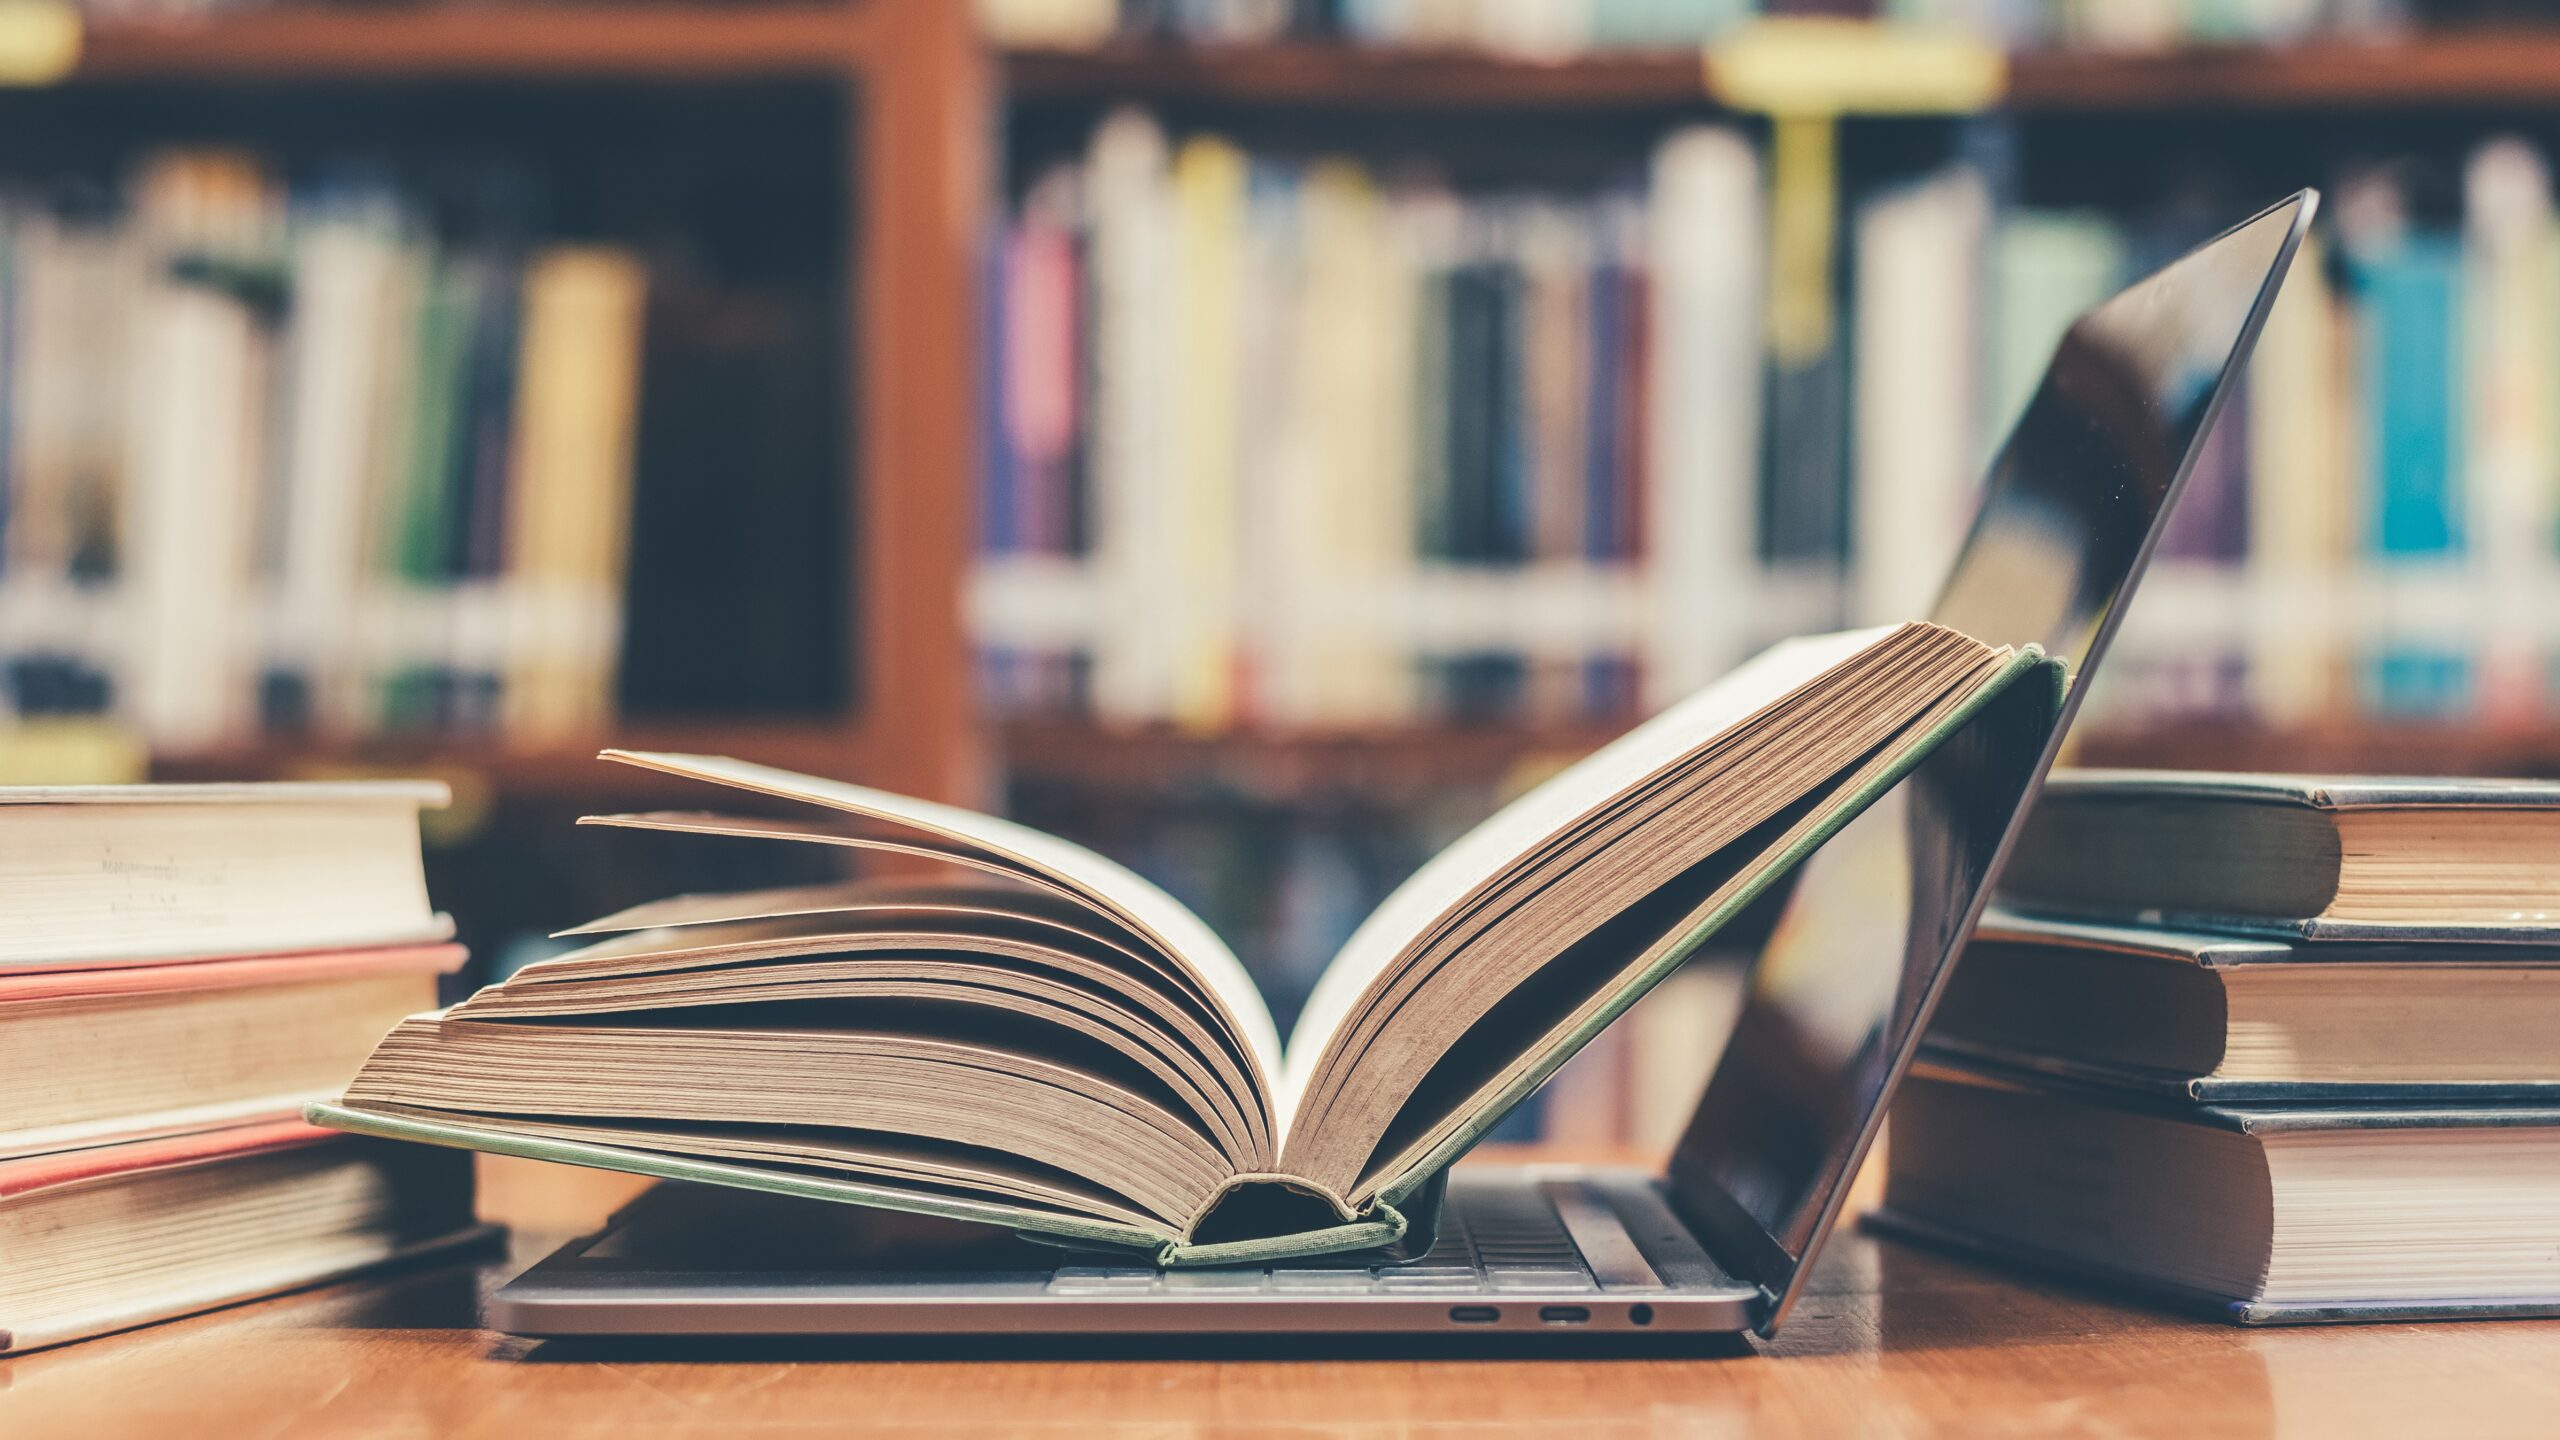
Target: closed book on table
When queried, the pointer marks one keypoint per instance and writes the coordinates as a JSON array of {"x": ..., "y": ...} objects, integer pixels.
[
  {"x": 99, "y": 1240},
  {"x": 93, "y": 1055},
  {"x": 2359, "y": 859},
  {"x": 2226, "y": 1017},
  {"x": 2265, "y": 1214},
  {"x": 129, "y": 874}
]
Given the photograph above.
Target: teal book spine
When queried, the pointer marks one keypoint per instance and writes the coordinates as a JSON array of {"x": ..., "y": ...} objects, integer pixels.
[
  {"x": 2410, "y": 306},
  {"x": 2410, "y": 351}
]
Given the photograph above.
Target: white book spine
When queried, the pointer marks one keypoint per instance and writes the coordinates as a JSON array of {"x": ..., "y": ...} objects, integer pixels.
[
  {"x": 1137, "y": 530},
  {"x": 1918, "y": 320},
  {"x": 1705, "y": 242},
  {"x": 192, "y": 483},
  {"x": 2512, "y": 244},
  {"x": 341, "y": 271}
]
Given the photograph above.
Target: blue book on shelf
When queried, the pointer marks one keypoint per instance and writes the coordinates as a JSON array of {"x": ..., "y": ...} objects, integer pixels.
[
  {"x": 997, "y": 471},
  {"x": 2410, "y": 682},
  {"x": 1603, "y": 404},
  {"x": 2410, "y": 313}
]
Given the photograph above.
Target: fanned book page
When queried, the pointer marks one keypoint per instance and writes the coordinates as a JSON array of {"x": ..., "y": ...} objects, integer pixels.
[{"x": 1035, "y": 1036}]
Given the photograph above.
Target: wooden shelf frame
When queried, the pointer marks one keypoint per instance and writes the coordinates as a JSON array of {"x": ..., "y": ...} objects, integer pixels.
[
  {"x": 2486, "y": 67},
  {"x": 1299, "y": 74},
  {"x": 1155, "y": 765},
  {"x": 439, "y": 40},
  {"x": 2510, "y": 66}
]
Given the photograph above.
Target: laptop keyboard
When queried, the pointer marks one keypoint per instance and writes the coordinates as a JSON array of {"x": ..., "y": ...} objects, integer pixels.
[{"x": 1493, "y": 1239}]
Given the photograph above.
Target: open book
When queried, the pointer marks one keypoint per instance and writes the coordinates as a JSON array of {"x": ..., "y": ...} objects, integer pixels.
[{"x": 1047, "y": 1041}]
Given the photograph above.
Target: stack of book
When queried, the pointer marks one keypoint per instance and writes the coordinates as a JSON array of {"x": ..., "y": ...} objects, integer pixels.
[
  {"x": 2280, "y": 1045},
  {"x": 184, "y": 967}
]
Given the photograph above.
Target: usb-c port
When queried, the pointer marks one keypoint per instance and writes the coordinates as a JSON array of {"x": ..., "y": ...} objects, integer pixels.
[
  {"x": 1564, "y": 1314},
  {"x": 1474, "y": 1314}
]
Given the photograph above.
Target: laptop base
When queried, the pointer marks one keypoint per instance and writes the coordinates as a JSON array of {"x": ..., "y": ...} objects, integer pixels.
[{"x": 1545, "y": 1250}]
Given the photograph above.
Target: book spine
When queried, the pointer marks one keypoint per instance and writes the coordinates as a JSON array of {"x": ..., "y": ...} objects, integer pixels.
[
  {"x": 2410, "y": 299},
  {"x": 2511, "y": 362},
  {"x": 2300, "y": 483},
  {"x": 1209, "y": 182},
  {"x": 1700, "y": 362},
  {"x": 1919, "y": 298},
  {"x": 1138, "y": 536}
]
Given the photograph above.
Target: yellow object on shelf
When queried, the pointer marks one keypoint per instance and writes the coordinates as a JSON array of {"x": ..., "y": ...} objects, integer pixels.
[
  {"x": 1829, "y": 67},
  {"x": 39, "y": 41},
  {"x": 1805, "y": 73},
  {"x": 71, "y": 752}
]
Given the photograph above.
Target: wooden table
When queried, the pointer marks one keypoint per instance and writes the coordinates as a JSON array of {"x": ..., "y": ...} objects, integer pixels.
[{"x": 1896, "y": 1342}]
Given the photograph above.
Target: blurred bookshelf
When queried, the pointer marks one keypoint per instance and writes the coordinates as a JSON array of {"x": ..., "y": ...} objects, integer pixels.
[
  {"x": 705, "y": 418},
  {"x": 1191, "y": 717},
  {"x": 828, "y": 202}
]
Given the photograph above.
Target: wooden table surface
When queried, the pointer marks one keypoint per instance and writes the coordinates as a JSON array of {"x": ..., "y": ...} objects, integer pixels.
[{"x": 1896, "y": 1342}]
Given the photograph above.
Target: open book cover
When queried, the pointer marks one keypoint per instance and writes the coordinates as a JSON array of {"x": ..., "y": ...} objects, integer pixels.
[{"x": 1044, "y": 1040}]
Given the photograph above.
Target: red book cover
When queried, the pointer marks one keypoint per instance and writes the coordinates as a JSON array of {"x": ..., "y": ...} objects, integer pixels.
[
  {"x": 142, "y": 978},
  {"x": 70, "y": 1167}
]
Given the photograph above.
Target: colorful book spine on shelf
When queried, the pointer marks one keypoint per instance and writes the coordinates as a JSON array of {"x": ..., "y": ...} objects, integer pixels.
[
  {"x": 1326, "y": 450},
  {"x": 1413, "y": 452},
  {"x": 278, "y": 458}
]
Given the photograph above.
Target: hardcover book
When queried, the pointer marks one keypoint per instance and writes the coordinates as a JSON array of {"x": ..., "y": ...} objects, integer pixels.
[
  {"x": 2292, "y": 1214},
  {"x": 2322, "y": 859},
  {"x": 2255, "y": 1018},
  {"x": 106, "y": 1239},
  {"x": 1052, "y": 1043},
  {"x": 118, "y": 875},
  {"x": 100, "y": 1054}
]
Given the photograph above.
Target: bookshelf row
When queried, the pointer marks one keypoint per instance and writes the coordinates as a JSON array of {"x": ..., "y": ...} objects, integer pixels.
[
  {"x": 1288, "y": 441},
  {"x": 320, "y": 447},
  {"x": 743, "y": 172},
  {"x": 757, "y": 46}
]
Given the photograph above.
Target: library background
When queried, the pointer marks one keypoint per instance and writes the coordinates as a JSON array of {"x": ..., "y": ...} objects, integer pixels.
[{"x": 1253, "y": 437}]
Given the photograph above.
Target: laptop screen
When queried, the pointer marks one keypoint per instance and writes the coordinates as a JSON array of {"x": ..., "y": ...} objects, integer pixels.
[{"x": 2069, "y": 514}]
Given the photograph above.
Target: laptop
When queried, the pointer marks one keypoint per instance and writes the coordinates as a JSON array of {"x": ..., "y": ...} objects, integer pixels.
[{"x": 1723, "y": 1240}]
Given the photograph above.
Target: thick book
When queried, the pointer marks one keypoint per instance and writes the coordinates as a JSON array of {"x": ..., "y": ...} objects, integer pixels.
[
  {"x": 130, "y": 874},
  {"x": 98, "y": 1240},
  {"x": 100, "y": 1054},
  {"x": 2222, "y": 1017},
  {"x": 1056, "y": 1045},
  {"x": 2267, "y": 1215},
  {"x": 2343, "y": 858}
]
